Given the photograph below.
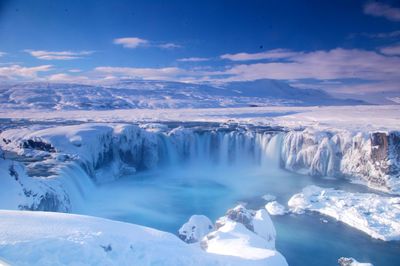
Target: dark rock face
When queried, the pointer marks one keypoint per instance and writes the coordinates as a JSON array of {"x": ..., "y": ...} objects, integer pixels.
[
  {"x": 38, "y": 145},
  {"x": 374, "y": 158},
  {"x": 385, "y": 155},
  {"x": 345, "y": 261}
]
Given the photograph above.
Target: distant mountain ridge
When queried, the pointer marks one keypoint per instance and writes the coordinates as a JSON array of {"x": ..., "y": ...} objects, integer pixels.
[{"x": 126, "y": 94}]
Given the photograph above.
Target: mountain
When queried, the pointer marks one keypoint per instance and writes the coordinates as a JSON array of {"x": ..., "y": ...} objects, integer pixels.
[{"x": 126, "y": 94}]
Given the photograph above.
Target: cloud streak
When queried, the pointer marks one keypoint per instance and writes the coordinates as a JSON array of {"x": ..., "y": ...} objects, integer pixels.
[
  {"x": 193, "y": 59},
  {"x": 271, "y": 54},
  {"x": 135, "y": 42},
  {"x": 391, "y": 50},
  {"x": 130, "y": 42},
  {"x": 16, "y": 71},
  {"x": 382, "y": 10},
  {"x": 58, "y": 55}
]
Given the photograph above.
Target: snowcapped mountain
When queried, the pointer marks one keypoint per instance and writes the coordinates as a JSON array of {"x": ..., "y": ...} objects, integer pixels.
[{"x": 126, "y": 94}]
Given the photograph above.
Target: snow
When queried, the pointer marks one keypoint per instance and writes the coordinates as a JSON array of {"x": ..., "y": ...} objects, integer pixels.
[
  {"x": 352, "y": 262},
  {"x": 128, "y": 94},
  {"x": 350, "y": 118},
  {"x": 67, "y": 239},
  {"x": 245, "y": 233},
  {"x": 368, "y": 158},
  {"x": 195, "y": 229},
  {"x": 275, "y": 208},
  {"x": 268, "y": 197},
  {"x": 377, "y": 216}
]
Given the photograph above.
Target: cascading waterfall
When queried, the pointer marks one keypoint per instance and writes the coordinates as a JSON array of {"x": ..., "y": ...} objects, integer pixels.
[{"x": 221, "y": 149}]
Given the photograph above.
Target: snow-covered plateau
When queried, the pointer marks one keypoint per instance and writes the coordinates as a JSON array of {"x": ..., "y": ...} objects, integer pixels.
[{"x": 375, "y": 215}]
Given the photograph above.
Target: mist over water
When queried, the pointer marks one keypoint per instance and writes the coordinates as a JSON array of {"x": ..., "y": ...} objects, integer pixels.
[{"x": 208, "y": 174}]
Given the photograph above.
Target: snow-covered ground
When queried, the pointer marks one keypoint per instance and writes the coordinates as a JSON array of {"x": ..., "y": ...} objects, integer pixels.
[
  {"x": 375, "y": 215},
  {"x": 42, "y": 238},
  {"x": 354, "y": 118}
]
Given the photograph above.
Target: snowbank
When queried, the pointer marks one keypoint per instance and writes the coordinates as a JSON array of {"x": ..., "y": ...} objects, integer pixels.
[
  {"x": 195, "y": 229},
  {"x": 275, "y": 208},
  {"x": 245, "y": 233},
  {"x": 40, "y": 238},
  {"x": 375, "y": 215}
]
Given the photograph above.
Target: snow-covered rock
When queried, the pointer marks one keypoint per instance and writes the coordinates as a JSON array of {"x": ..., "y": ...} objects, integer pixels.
[
  {"x": 275, "y": 208},
  {"x": 41, "y": 238},
  {"x": 238, "y": 221},
  {"x": 376, "y": 215},
  {"x": 19, "y": 191},
  {"x": 369, "y": 158},
  {"x": 195, "y": 229},
  {"x": 351, "y": 262}
]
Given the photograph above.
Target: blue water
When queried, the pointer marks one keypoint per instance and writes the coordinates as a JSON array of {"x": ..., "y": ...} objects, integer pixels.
[{"x": 165, "y": 199}]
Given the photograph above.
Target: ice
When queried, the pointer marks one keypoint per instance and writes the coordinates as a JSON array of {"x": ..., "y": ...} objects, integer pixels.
[
  {"x": 275, "y": 208},
  {"x": 377, "y": 216}
]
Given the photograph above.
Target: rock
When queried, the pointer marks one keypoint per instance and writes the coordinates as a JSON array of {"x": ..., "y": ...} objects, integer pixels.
[
  {"x": 238, "y": 214},
  {"x": 195, "y": 229},
  {"x": 351, "y": 262},
  {"x": 371, "y": 158},
  {"x": 239, "y": 221},
  {"x": 275, "y": 208}
]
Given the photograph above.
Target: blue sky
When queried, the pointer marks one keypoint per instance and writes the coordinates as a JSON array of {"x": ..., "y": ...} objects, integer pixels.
[{"x": 341, "y": 46}]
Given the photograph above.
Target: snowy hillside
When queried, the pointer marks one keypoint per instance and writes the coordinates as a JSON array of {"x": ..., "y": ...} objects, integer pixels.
[
  {"x": 127, "y": 94},
  {"x": 67, "y": 239}
]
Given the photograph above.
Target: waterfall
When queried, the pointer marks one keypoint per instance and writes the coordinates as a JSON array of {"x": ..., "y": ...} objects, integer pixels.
[{"x": 220, "y": 149}]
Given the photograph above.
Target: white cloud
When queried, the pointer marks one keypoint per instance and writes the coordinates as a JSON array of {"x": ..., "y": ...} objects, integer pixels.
[
  {"x": 2, "y": 54},
  {"x": 130, "y": 42},
  {"x": 322, "y": 65},
  {"x": 58, "y": 55},
  {"x": 382, "y": 10},
  {"x": 169, "y": 45},
  {"x": 391, "y": 50},
  {"x": 135, "y": 42},
  {"x": 270, "y": 54},
  {"x": 17, "y": 71},
  {"x": 193, "y": 59},
  {"x": 75, "y": 70}
]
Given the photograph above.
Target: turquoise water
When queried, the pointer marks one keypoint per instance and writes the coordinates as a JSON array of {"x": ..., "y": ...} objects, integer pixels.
[{"x": 166, "y": 199}]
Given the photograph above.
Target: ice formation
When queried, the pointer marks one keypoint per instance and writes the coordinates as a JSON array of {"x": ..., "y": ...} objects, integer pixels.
[
  {"x": 370, "y": 158},
  {"x": 378, "y": 216},
  {"x": 57, "y": 164}
]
